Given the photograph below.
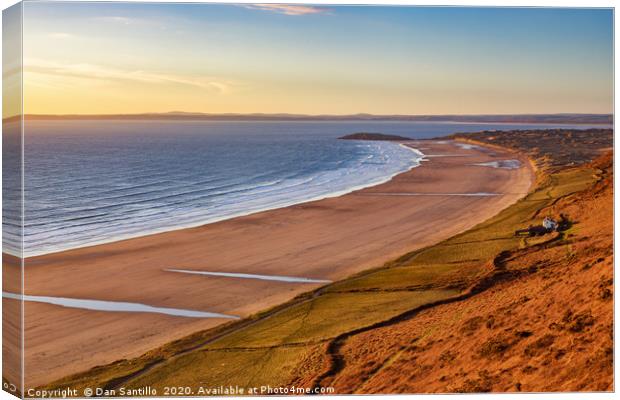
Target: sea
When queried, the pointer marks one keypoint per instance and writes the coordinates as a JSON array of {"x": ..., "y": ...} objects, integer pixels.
[{"x": 88, "y": 182}]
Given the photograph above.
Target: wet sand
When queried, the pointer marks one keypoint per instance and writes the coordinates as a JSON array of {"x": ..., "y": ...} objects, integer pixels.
[{"x": 327, "y": 239}]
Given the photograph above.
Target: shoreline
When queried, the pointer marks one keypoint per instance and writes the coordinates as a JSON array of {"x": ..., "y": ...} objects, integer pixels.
[
  {"x": 415, "y": 163},
  {"x": 330, "y": 239}
]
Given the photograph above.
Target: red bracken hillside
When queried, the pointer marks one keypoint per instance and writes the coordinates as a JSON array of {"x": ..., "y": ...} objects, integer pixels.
[{"x": 540, "y": 319}]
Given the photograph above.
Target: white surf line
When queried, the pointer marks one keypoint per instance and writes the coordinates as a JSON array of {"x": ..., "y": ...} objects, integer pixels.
[
  {"x": 449, "y": 155},
  {"x": 479, "y": 194},
  {"x": 114, "y": 306},
  {"x": 278, "y": 278}
]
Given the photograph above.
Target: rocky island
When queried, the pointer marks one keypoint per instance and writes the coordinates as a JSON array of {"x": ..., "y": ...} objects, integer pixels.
[{"x": 372, "y": 136}]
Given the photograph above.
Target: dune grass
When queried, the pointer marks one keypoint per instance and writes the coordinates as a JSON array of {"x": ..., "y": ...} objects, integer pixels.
[
  {"x": 265, "y": 353},
  {"x": 214, "y": 368},
  {"x": 327, "y": 316}
]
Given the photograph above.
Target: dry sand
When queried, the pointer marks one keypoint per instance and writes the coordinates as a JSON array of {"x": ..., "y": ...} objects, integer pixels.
[{"x": 326, "y": 239}]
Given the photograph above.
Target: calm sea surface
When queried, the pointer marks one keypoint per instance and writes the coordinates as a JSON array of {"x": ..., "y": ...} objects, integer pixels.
[{"x": 89, "y": 182}]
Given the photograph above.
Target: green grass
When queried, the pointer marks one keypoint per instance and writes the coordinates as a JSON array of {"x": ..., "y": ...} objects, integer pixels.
[
  {"x": 268, "y": 351},
  {"x": 226, "y": 368},
  {"x": 399, "y": 278},
  {"x": 571, "y": 182},
  {"x": 327, "y": 316}
]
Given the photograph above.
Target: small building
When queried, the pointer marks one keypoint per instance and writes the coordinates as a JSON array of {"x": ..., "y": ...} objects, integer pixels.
[{"x": 550, "y": 224}]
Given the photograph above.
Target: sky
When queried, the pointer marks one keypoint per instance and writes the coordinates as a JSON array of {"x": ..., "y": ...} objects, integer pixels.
[
  {"x": 11, "y": 62},
  {"x": 108, "y": 58}
]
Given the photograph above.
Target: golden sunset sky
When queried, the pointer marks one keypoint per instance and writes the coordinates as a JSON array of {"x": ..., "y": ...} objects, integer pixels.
[{"x": 107, "y": 58}]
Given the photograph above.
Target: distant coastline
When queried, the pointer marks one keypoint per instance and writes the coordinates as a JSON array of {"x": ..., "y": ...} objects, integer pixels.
[
  {"x": 373, "y": 136},
  {"x": 563, "y": 118}
]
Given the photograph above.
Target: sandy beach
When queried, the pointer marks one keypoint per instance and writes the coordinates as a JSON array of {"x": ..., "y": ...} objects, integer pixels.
[{"x": 327, "y": 239}]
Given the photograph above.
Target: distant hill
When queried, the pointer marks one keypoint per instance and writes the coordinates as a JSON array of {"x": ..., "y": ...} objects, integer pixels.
[
  {"x": 178, "y": 115},
  {"x": 551, "y": 149},
  {"x": 372, "y": 136}
]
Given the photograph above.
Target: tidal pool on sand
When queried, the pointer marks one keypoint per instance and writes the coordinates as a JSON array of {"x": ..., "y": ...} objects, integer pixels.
[
  {"x": 114, "y": 306},
  {"x": 279, "y": 278}
]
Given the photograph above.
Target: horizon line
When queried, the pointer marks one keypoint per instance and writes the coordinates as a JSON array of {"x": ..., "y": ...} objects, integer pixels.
[{"x": 568, "y": 117}]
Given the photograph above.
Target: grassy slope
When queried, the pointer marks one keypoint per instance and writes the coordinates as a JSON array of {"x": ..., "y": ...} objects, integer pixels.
[
  {"x": 543, "y": 321},
  {"x": 298, "y": 342}
]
